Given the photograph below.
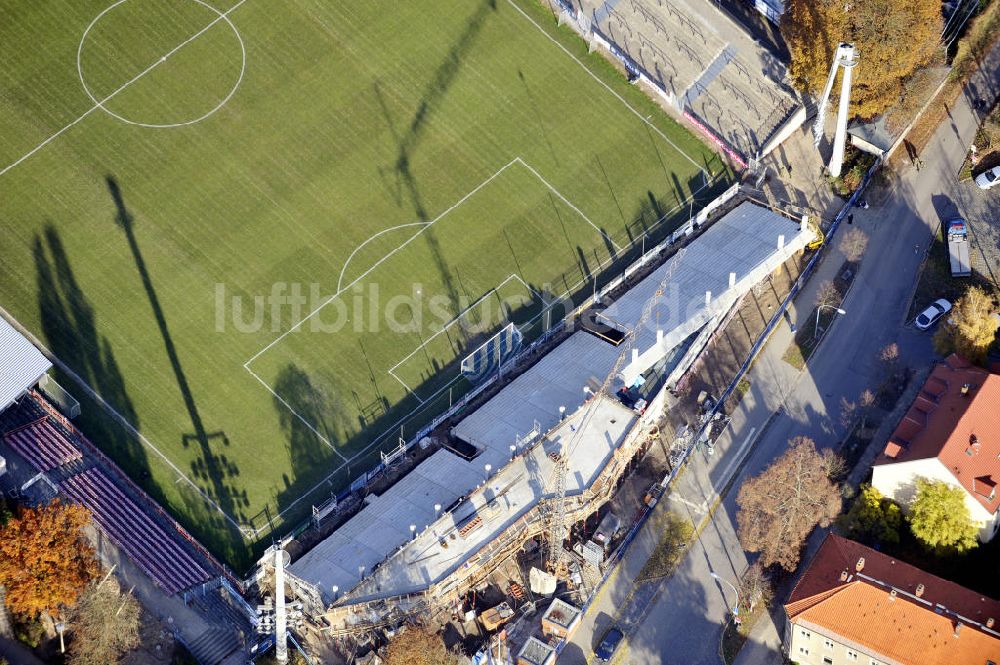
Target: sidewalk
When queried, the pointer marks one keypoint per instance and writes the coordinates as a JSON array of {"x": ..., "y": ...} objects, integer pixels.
[
  {"x": 696, "y": 491},
  {"x": 678, "y": 619}
]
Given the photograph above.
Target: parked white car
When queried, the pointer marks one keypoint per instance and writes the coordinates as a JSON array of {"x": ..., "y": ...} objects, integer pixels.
[
  {"x": 929, "y": 316},
  {"x": 989, "y": 179}
]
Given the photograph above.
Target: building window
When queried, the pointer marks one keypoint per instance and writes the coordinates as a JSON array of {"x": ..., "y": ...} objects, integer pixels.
[
  {"x": 804, "y": 651},
  {"x": 852, "y": 656},
  {"x": 827, "y": 660},
  {"x": 872, "y": 662},
  {"x": 806, "y": 634},
  {"x": 828, "y": 644}
]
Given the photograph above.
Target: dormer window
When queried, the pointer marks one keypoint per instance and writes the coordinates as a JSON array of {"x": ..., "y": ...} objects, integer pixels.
[{"x": 985, "y": 487}]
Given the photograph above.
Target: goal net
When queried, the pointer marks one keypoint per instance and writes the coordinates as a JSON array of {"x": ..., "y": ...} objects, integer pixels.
[{"x": 492, "y": 354}]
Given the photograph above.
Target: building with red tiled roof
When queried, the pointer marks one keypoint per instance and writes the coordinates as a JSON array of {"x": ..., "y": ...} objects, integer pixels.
[
  {"x": 854, "y": 605},
  {"x": 950, "y": 433}
]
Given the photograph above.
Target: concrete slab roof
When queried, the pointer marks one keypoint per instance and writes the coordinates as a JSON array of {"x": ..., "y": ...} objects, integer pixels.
[
  {"x": 379, "y": 537},
  {"x": 556, "y": 380},
  {"x": 727, "y": 260},
  {"x": 21, "y": 364},
  {"x": 376, "y": 543}
]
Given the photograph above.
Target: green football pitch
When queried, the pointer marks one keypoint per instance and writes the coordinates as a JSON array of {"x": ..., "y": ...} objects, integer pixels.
[{"x": 267, "y": 232}]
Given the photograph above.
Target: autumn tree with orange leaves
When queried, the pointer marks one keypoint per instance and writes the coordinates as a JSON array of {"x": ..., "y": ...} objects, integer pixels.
[
  {"x": 894, "y": 39},
  {"x": 45, "y": 561}
]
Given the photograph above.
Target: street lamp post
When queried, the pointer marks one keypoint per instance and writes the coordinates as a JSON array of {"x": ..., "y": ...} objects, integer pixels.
[
  {"x": 61, "y": 627},
  {"x": 736, "y": 607},
  {"x": 820, "y": 309}
]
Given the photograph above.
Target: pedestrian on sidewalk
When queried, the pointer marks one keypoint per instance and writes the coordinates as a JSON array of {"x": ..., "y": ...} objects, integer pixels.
[{"x": 850, "y": 218}]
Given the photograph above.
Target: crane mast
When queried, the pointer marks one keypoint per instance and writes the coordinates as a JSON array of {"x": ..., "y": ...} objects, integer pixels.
[{"x": 557, "y": 527}]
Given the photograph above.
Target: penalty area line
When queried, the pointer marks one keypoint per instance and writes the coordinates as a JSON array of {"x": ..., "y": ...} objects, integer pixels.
[
  {"x": 605, "y": 85},
  {"x": 387, "y": 256},
  {"x": 297, "y": 415}
]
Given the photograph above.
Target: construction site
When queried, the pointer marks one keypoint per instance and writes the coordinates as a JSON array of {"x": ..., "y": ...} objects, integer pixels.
[{"x": 500, "y": 525}]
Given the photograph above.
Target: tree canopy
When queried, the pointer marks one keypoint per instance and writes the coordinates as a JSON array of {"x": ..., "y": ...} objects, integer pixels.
[
  {"x": 894, "y": 38},
  {"x": 105, "y": 625},
  {"x": 779, "y": 508},
  {"x": 940, "y": 519},
  {"x": 872, "y": 517},
  {"x": 418, "y": 646},
  {"x": 970, "y": 328},
  {"x": 45, "y": 562}
]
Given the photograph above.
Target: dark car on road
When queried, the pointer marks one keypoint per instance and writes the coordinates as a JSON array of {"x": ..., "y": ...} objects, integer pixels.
[{"x": 606, "y": 649}]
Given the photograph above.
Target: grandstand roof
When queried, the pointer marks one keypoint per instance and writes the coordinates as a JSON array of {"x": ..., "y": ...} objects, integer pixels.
[
  {"x": 557, "y": 380},
  {"x": 379, "y": 530},
  {"x": 375, "y": 543},
  {"x": 744, "y": 243},
  {"x": 21, "y": 364}
]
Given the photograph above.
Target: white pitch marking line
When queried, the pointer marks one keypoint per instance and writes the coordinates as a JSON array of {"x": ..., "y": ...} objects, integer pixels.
[
  {"x": 135, "y": 78},
  {"x": 455, "y": 320},
  {"x": 607, "y": 87},
  {"x": 408, "y": 388},
  {"x": 296, "y": 413},
  {"x": 427, "y": 225},
  {"x": 340, "y": 279},
  {"x": 567, "y": 202}
]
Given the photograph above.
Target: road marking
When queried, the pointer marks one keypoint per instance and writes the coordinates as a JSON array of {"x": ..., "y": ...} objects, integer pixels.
[
  {"x": 739, "y": 455},
  {"x": 701, "y": 508}
]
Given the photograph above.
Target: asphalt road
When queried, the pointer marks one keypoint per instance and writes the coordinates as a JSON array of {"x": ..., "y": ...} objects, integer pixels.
[{"x": 679, "y": 621}]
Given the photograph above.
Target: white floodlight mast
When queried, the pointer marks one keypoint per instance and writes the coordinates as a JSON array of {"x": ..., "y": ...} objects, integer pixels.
[
  {"x": 280, "y": 617},
  {"x": 845, "y": 57}
]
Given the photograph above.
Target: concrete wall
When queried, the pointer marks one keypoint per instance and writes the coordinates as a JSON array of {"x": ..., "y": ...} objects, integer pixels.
[
  {"x": 808, "y": 646},
  {"x": 898, "y": 482},
  {"x": 795, "y": 120},
  {"x": 864, "y": 145}
]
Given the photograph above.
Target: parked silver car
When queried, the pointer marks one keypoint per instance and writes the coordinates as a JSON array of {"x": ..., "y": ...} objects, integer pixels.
[
  {"x": 989, "y": 179},
  {"x": 929, "y": 316}
]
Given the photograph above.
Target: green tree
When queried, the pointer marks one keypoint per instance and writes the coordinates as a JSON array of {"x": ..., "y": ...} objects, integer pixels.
[
  {"x": 872, "y": 517},
  {"x": 970, "y": 328},
  {"x": 940, "y": 519},
  {"x": 894, "y": 38}
]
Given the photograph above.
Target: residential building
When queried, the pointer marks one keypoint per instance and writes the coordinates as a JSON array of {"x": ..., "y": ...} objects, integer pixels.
[
  {"x": 951, "y": 433},
  {"x": 855, "y": 605}
]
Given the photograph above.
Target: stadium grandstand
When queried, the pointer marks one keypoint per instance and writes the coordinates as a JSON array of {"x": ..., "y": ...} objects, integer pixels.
[
  {"x": 44, "y": 457},
  {"x": 452, "y": 520},
  {"x": 704, "y": 66},
  {"x": 22, "y": 366}
]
